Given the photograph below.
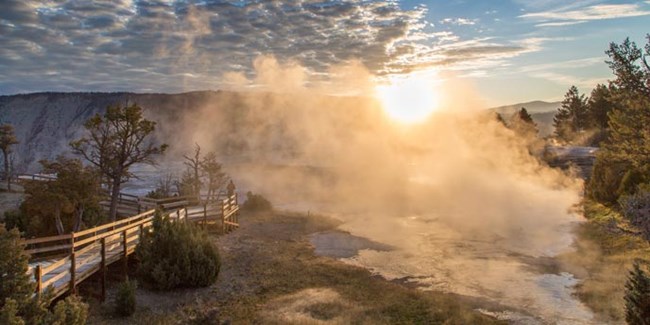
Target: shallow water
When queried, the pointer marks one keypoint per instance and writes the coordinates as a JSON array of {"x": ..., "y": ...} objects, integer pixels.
[{"x": 489, "y": 267}]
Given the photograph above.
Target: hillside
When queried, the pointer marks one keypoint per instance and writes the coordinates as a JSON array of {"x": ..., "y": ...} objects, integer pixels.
[
  {"x": 541, "y": 112},
  {"x": 241, "y": 126}
]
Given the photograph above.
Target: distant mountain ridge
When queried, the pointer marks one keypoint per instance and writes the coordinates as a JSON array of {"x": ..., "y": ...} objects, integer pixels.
[
  {"x": 536, "y": 106},
  {"x": 542, "y": 113}
]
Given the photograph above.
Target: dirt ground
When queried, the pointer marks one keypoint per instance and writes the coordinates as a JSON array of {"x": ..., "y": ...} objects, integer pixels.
[{"x": 270, "y": 275}]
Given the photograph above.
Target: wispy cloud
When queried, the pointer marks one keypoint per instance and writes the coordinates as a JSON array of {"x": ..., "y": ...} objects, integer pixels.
[
  {"x": 459, "y": 21},
  {"x": 561, "y": 23},
  {"x": 567, "y": 79},
  {"x": 571, "y": 15}
]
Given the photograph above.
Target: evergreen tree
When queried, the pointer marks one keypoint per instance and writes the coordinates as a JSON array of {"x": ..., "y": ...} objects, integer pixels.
[
  {"x": 7, "y": 139},
  {"x": 599, "y": 106},
  {"x": 637, "y": 296},
  {"x": 630, "y": 66},
  {"x": 15, "y": 283},
  {"x": 62, "y": 202},
  {"x": 624, "y": 160},
  {"x": 522, "y": 123},
  {"x": 18, "y": 303},
  {"x": 572, "y": 117},
  {"x": 115, "y": 142},
  {"x": 499, "y": 118}
]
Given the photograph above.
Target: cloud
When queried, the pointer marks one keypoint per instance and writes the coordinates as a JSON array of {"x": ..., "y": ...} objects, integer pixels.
[
  {"x": 459, "y": 21},
  {"x": 561, "y": 23},
  {"x": 174, "y": 46},
  {"x": 569, "y": 15},
  {"x": 566, "y": 79}
]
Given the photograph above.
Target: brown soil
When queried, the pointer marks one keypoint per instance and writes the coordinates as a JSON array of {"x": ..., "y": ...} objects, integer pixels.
[{"x": 270, "y": 274}]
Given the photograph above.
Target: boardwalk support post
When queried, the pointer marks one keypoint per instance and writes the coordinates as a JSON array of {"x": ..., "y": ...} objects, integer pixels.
[
  {"x": 38, "y": 275},
  {"x": 125, "y": 255},
  {"x": 223, "y": 218},
  {"x": 73, "y": 266},
  {"x": 103, "y": 267},
  {"x": 205, "y": 215}
]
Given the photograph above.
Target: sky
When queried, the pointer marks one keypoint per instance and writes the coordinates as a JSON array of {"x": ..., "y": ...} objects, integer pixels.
[{"x": 509, "y": 51}]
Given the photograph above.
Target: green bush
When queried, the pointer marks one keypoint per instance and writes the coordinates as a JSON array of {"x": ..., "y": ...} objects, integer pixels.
[
  {"x": 125, "y": 302},
  {"x": 256, "y": 203},
  {"x": 177, "y": 255},
  {"x": 71, "y": 311},
  {"x": 637, "y": 296},
  {"x": 15, "y": 283},
  {"x": 635, "y": 207},
  {"x": 9, "y": 313},
  {"x": 605, "y": 183}
]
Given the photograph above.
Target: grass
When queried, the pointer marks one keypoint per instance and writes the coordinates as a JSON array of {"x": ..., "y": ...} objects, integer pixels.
[
  {"x": 270, "y": 275},
  {"x": 606, "y": 248},
  {"x": 290, "y": 266}
]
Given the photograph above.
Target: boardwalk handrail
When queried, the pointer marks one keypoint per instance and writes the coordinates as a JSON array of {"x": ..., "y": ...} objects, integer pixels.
[
  {"x": 91, "y": 250},
  {"x": 33, "y": 177}
]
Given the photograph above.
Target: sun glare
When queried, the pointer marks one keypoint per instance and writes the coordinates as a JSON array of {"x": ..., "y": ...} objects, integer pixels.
[{"x": 409, "y": 99}]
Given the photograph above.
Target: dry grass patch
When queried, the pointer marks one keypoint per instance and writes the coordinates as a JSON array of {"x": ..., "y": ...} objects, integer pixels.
[{"x": 606, "y": 247}]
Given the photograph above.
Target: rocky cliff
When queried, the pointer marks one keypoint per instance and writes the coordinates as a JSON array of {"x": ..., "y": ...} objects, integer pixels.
[
  {"x": 235, "y": 125},
  {"x": 46, "y": 122}
]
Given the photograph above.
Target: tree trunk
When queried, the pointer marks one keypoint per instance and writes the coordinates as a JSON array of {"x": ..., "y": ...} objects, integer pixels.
[
  {"x": 57, "y": 220},
  {"x": 78, "y": 219},
  {"x": 115, "y": 195},
  {"x": 6, "y": 157},
  {"x": 197, "y": 183}
]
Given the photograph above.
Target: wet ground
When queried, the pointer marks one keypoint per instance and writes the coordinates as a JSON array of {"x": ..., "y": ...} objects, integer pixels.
[{"x": 532, "y": 285}]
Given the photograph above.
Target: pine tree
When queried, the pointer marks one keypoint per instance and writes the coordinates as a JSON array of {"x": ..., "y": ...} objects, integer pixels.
[
  {"x": 629, "y": 121},
  {"x": 522, "y": 123},
  {"x": 115, "y": 142},
  {"x": 572, "y": 117},
  {"x": 15, "y": 283},
  {"x": 637, "y": 296},
  {"x": 630, "y": 66},
  {"x": 599, "y": 105},
  {"x": 62, "y": 202},
  {"x": 7, "y": 139}
]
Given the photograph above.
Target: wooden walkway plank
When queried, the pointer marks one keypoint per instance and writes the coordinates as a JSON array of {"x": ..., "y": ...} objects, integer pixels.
[{"x": 92, "y": 250}]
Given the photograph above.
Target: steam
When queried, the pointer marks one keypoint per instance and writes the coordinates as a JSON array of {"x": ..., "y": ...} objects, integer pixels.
[{"x": 459, "y": 177}]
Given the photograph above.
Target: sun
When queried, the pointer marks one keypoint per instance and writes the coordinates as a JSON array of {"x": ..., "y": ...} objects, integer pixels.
[{"x": 409, "y": 99}]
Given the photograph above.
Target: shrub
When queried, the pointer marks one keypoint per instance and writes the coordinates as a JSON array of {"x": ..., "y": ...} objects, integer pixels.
[
  {"x": 15, "y": 283},
  {"x": 176, "y": 255},
  {"x": 9, "y": 313},
  {"x": 637, "y": 296},
  {"x": 125, "y": 302},
  {"x": 156, "y": 194},
  {"x": 256, "y": 203},
  {"x": 636, "y": 208},
  {"x": 606, "y": 178},
  {"x": 71, "y": 311}
]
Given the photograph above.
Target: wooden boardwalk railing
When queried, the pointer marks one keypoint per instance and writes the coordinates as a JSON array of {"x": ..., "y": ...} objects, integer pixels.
[{"x": 62, "y": 262}]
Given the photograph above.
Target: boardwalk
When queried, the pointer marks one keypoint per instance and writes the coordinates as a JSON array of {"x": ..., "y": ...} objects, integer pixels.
[{"x": 62, "y": 262}]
